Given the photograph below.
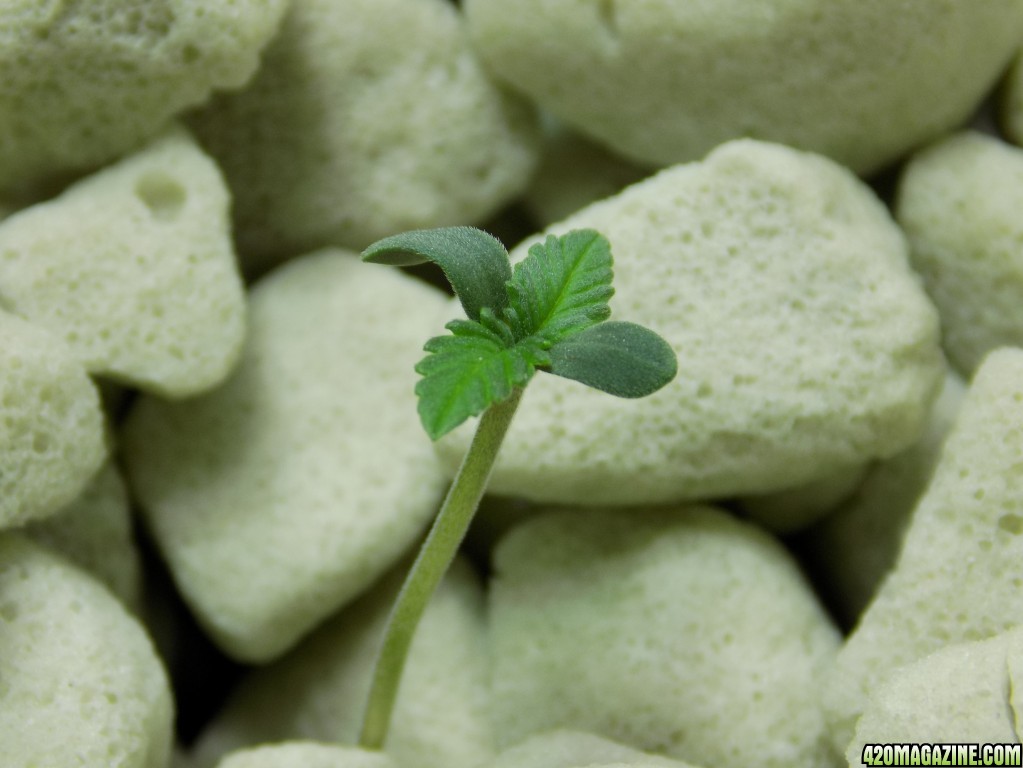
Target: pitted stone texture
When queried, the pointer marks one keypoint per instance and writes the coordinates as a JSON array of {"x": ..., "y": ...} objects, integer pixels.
[
  {"x": 306, "y": 755},
  {"x": 664, "y": 82},
  {"x": 86, "y": 81},
  {"x": 51, "y": 424},
  {"x": 959, "y": 694},
  {"x": 368, "y": 117},
  {"x": 959, "y": 204},
  {"x": 81, "y": 684},
  {"x": 957, "y": 578},
  {"x": 95, "y": 532},
  {"x": 286, "y": 492},
  {"x": 134, "y": 268},
  {"x": 679, "y": 631},
  {"x": 853, "y": 549},
  {"x": 319, "y": 690},
  {"x": 573, "y": 749},
  {"x": 805, "y": 344}
]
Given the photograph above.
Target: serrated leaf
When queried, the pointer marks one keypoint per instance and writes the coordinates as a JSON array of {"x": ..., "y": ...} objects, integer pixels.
[
  {"x": 467, "y": 372},
  {"x": 561, "y": 287},
  {"x": 474, "y": 262},
  {"x": 622, "y": 359}
]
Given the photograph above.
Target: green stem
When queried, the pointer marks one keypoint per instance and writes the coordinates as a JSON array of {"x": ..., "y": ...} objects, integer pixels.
[{"x": 432, "y": 563}]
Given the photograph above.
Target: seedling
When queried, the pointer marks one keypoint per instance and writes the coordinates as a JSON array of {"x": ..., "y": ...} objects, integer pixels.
[{"x": 549, "y": 314}]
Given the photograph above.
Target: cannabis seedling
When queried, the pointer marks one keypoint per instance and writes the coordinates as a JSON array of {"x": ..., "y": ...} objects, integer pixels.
[{"x": 549, "y": 314}]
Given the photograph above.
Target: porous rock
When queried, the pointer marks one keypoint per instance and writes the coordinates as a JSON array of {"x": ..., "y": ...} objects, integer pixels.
[
  {"x": 51, "y": 424},
  {"x": 368, "y": 117},
  {"x": 87, "y": 81},
  {"x": 959, "y": 203},
  {"x": 283, "y": 494},
  {"x": 959, "y": 694},
  {"x": 134, "y": 268},
  {"x": 318, "y": 691},
  {"x": 677, "y": 631},
  {"x": 853, "y": 549},
  {"x": 664, "y": 82},
  {"x": 957, "y": 578},
  {"x": 81, "y": 685},
  {"x": 299, "y": 754},
  {"x": 571, "y": 749},
  {"x": 805, "y": 344},
  {"x": 95, "y": 532}
]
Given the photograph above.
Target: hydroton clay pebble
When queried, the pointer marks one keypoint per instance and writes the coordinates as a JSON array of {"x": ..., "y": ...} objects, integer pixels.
[
  {"x": 805, "y": 344},
  {"x": 286, "y": 492},
  {"x": 861, "y": 81},
  {"x": 367, "y": 117},
  {"x": 134, "y": 268},
  {"x": 85, "y": 82}
]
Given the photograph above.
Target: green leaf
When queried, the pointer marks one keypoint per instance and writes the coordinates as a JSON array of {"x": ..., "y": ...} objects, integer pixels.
[
  {"x": 561, "y": 287},
  {"x": 475, "y": 263},
  {"x": 470, "y": 370},
  {"x": 622, "y": 359}
]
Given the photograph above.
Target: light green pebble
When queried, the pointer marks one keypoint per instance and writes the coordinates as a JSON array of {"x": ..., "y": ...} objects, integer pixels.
[
  {"x": 572, "y": 173},
  {"x": 319, "y": 690},
  {"x": 86, "y": 82},
  {"x": 679, "y": 631},
  {"x": 794, "y": 509},
  {"x": 135, "y": 269},
  {"x": 959, "y": 204},
  {"x": 95, "y": 532},
  {"x": 80, "y": 684},
  {"x": 805, "y": 344},
  {"x": 853, "y": 549},
  {"x": 283, "y": 494},
  {"x": 575, "y": 749},
  {"x": 51, "y": 425},
  {"x": 306, "y": 755},
  {"x": 368, "y": 117},
  {"x": 862, "y": 81},
  {"x": 957, "y": 577},
  {"x": 959, "y": 694}
]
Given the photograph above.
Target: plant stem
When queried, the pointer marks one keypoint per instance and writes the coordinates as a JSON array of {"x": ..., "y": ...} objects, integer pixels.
[{"x": 431, "y": 564}]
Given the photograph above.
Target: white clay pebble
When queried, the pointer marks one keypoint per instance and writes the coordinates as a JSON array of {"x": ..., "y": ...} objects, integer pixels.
[
  {"x": 87, "y": 82},
  {"x": 368, "y": 117},
  {"x": 80, "y": 683},
  {"x": 574, "y": 749},
  {"x": 861, "y": 81},
  {"x": 134, "y": 268},
  {"x": 679, "y": 631},
  {"x": 306, "y": 755},
  {"x": 286, "y": 492},
  {"x": 959, "y": 694},
  {"x": 805, "y": 344},
  {"x": 959, "y": 204},
  {"x": 854, "y": 548},
  {"x": 51, "y": 424},
  {"x": 95, "y": 532},
  {"x": 319, "y": 690},
  {"x": 957, "y": 577}
]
